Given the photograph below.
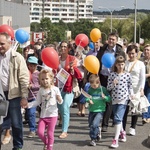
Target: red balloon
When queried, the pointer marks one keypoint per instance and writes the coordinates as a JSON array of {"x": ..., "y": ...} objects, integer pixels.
[
  {"x": 50, "y": 57},
  {"x": 9, "y": 30},
  {"x": 81, "y": 40}
]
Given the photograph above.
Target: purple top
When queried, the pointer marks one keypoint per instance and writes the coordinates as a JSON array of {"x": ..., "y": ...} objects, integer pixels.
[
  {"x": 92, "y": 52},
  {"x": 35, "y": 85}
]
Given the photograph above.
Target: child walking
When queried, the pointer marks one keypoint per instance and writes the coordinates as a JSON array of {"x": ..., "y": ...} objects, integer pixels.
[
  {"x": 34, "y": 86},
  {"x": 48, "y": 96},
  {"x": 97, "y": 105},
  {"x": 120, "y": 86}
]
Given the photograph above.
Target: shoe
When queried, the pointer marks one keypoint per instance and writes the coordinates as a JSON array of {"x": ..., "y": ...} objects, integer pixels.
[
  {"x": 45, "y": 147},
  {"x": 6, "y": 140},
  {"x": 148, "y": 120},
  {"x": 25, "y": 122},
  {"x": 122, "y": 137},
  {"x": 59, "y": 125},
  {"x": 132, "y": 131},
  {"x": 114, "y": 144},
  {"x": 63, "y": 135},
  {"x": 83, "y": 115},
  {"x": 99, "y": 136},
  {"x": 144, "y": 121},
  {"x": 79, "y": 113},
  {"x": 31, "y": 134},
  {"x": 92, "y": 143},
  {"x": 104, "y": 129}
]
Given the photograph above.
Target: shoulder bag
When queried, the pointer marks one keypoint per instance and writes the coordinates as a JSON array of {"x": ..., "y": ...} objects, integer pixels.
[{"x": 3, "y": 106}]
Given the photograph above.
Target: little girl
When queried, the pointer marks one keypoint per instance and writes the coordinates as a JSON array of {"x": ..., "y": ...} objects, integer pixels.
[
  {"x": 120, "y": 85},
  {"x": 48, "y": 96}
]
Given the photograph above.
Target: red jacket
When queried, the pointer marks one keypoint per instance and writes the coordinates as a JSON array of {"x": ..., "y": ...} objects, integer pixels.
[{"x": 77, "y": 74}]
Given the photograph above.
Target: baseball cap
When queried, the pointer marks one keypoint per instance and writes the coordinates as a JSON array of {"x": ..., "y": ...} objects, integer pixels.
[{"x": 32, "y": 60}]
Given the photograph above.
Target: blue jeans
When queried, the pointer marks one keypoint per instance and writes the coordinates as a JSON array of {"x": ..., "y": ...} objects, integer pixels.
[
  {"x": 15, "y": 117},
  {"x": 94, "y": 120},
  {"x": 31, "y": 115},
  {"x": 118, "y": 112},
  {"x": 64, "y": 109},
  {"x": 146, "y": 115}
]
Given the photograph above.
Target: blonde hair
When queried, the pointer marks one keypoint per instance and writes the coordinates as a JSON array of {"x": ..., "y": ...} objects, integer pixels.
[
  {"x": 50, "y": 74},
  {"x": 147, "y": 45},
  {"x": 119, "y": 59},
  {"x": 93, "y": 77}
]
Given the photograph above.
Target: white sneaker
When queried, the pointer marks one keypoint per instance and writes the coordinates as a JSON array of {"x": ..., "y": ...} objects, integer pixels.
[
  {"x": 132, "y": 131},
  {"x": 114, "y": 144},
  {"x": 92, "y": 143},
  {"x": 99, "y": 136},
  {"x": 122, "y": 137}
]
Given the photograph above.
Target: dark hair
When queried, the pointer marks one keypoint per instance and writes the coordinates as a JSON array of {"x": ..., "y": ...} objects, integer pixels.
[
  {"x": 131, "y": 47},
  {"x": 114, "y": 34},
  {"x": 64, "y": 42},
  {"x": 119, "y": 59}
]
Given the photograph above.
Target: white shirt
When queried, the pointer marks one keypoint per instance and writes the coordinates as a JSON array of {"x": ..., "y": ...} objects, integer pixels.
[
  {"x": 4, "y": 69},
  {"x": 48, "y": 101},
  {"x": 137, "y": 75}
]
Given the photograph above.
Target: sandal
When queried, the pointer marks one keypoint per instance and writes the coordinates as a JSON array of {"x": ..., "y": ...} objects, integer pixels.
[
  {"x": 6, "y": 140},
  {"x": 63, "y": 135},
  {"x": 79, "y": 113}
]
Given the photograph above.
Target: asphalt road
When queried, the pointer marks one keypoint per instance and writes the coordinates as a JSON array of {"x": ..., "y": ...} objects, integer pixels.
[{"x": 78, "y": 138}]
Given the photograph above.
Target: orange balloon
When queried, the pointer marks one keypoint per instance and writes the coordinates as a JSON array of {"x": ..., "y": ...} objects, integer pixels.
[
  {"x": 92, "y": 64},
  {"x": 95, "y": 34}
]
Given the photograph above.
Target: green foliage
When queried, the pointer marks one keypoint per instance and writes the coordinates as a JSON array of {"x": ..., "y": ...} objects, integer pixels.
[{"x": 56, "y": 32}]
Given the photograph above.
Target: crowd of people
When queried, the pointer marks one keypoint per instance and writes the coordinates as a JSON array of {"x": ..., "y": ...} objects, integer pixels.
[{"x": 29, "y": 84}]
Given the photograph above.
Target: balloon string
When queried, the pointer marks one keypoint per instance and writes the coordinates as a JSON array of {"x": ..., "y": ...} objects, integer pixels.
[{"x": 15, "y": 46}]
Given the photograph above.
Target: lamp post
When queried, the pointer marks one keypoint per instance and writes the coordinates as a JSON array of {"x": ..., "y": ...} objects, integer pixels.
[
  {"x": 111, "y": 13},
  {"x": 135, "y": 6},
  {"x": 139, "y": 31}
]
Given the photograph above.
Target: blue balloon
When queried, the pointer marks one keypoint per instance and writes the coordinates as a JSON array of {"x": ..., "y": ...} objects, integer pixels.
[
  {"x": 91, "y": 45},
  {"x": 27, "y": 36},
  {"x": 21, "y": 36},
  {"x": 108, "y": 60}
]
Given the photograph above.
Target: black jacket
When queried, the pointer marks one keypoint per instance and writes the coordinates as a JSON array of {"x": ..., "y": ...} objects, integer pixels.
[{"x": 100, "y": 53}]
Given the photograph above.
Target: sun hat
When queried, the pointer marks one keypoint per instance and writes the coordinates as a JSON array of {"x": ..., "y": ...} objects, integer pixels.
[{"x": 32, "y": 60}]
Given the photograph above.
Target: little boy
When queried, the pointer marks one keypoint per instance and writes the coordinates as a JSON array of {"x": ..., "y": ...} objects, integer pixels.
[{"x": 97, "y": 105}]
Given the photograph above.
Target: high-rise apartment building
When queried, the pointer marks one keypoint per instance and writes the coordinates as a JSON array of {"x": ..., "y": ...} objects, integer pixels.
[{"x": 55, "y": 10}]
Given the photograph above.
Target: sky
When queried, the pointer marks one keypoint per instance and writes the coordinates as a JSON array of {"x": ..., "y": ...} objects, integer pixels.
[{"x": 115, "y": 4}]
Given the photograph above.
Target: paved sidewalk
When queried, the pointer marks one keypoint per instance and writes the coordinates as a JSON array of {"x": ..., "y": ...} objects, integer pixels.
[{"x": 78, "y": 138}]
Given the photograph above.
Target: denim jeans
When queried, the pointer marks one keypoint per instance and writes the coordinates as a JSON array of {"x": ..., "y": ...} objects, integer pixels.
[
  {"x": 146, "y": 115},
  {"x": 64, "y": 109},
  {"x": 15, "y": 117},
  {"x": 118, "y": 112},
  {"x": 94, "y": 120},
  {"x": 31, "y": 115}
]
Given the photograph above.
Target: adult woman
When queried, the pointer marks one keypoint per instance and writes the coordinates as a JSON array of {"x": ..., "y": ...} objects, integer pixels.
[
  {"x": 68, "y": 63},
  {"x": 137, "y": 70},
  {"x": 146, "y": 60}
]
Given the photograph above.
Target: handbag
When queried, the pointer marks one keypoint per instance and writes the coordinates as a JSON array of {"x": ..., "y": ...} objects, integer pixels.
[
  {"x": 3, "y": 106},
  {"x": 76, "y": 89}
]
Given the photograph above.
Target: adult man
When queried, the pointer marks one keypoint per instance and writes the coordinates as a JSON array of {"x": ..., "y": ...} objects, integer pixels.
[
  {"x": 104, "y": 72},
  {"x": 14, "y": 76},
  {"x": 97, "y": 46}
]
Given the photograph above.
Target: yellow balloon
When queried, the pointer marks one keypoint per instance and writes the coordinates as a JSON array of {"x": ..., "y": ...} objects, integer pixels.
[
  {"x": 92, "y": 64},
  {"x": 95, "y": 34}
]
